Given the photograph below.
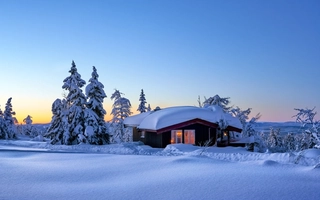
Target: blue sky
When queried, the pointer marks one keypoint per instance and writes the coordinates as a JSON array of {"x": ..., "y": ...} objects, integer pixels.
[{"x": 262, "y": 54}]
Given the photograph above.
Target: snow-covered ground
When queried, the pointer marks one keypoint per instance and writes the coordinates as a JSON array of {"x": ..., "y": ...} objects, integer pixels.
[{"x": 37, "y": 170}]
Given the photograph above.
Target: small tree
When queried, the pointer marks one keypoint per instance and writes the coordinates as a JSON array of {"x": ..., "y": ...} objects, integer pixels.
[
  {"x": 28, "y": 127},
  {"x": 149, "y": 108},
  {"x": 290, "y": 142},
  {"x": 256, "y": 140},
  {"x": 142, "y": 106},
  {"x": 275, "y": 141},
  {"x": 120, "y": 110},
  {"x": 9, "y": 121}
]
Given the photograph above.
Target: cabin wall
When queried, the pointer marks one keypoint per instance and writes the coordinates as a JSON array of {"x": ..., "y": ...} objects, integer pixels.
[
  {"x": 202, "y": 133},
  {"x": 153, "y": 139}
]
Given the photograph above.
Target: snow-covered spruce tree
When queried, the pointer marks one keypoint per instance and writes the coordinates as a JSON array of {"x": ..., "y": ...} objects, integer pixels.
[
  {"x": 311, "y": 127},
  {"x": 142, "y": 106},
  {"x": 149, "y": 108},
  {"x": 3, "y": 131},
  {"x": 217, "y": 100},
  {"x": 76, "y": 102},
  {"x": 9, "y": 121},
  {"x": 120, "y": 110},
  {"x": 58, "y": 131},
  {"x": 96, "y": 130}
]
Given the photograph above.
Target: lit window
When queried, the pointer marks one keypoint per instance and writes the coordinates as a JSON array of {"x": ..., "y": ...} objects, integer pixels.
[
  {"x": 176, "y": 136},
  {"x": 189, "y": 136}
]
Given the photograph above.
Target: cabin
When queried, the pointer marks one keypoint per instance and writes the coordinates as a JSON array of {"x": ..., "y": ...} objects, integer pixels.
[{"x": 184, "y": 124}]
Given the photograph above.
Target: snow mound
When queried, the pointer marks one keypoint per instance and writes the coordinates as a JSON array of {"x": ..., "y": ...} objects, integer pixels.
[
  {"x": 172, "y": 150},
  {"x": 269, "y": 163},
  {"x": 308, "y": 157}
]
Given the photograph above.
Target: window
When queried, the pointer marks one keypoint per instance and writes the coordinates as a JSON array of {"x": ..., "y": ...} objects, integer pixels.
[
  {"x": 189, "y": 136},
  {"x": 176, "y": 136}
]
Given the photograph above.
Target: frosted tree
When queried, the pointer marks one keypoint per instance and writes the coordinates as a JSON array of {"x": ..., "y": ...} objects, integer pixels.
[
  {"x": 311, "y": 127},
  {"x": 249, "y": 130},
  {"x": 142, "y": 106},
  {"x": 76, "y": 102},
  {"x": 216, "y": 100},
  {"x": 149, "y": 108},
  {"x": 120, "y": 110},
  {"x": 290, "y": 142},
  {"x": 96, "y": 129},
  {"x": 28, "y": 127},
  {"x": 9, "y": 121},
  {"x": 58, "y": 131},
  {"x": 28, "y": 120},
  {"x": 275, "y": 141},
  {"x": 242, "y": 115}
]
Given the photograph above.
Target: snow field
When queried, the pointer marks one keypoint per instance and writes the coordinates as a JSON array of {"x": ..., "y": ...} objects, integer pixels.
[{"x": 177, "y": 172}]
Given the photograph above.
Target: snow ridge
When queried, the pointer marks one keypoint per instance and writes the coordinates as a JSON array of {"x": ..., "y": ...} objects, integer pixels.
[{"x": 310, "y": 157}]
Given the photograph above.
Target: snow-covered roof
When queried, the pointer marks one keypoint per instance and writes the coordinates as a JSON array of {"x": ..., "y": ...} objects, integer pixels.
[
  {"x": 135, "y": 120},
  {"x": 156, "y": 120}
]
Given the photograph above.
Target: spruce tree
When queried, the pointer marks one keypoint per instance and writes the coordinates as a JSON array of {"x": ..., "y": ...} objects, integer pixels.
[
  {"x": 142, "y": 106},
  {"x": 3, "y": 131},
  {"x": 95, "y": 112},
  {"x": 76, "y": 102}
]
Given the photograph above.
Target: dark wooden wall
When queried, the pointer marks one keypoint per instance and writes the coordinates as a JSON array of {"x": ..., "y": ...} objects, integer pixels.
[
  {"x": 201, "y": 131},
  {"x": 162, "y": 140}
]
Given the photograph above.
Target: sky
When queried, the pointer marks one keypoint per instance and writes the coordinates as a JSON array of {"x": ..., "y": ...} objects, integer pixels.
[{"x": 264, "y": 55}]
